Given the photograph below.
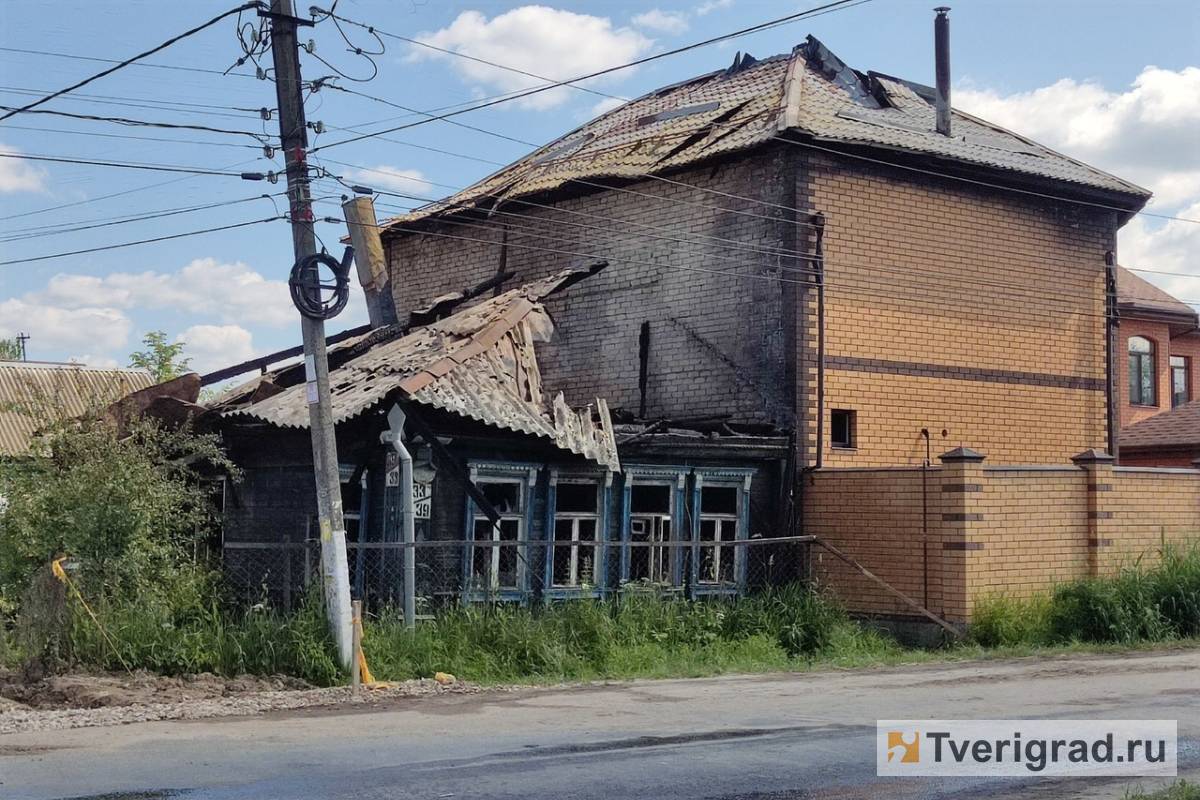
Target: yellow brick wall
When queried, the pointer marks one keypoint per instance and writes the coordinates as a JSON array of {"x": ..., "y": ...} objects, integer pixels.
[
  {"x": 991, "y": 530},
  {"x": 948, "y": 281}
]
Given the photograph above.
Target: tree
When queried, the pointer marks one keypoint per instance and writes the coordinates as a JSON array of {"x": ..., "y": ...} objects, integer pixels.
[
  {"x": 161, "y": 358},
  {"x": 10, "y": 350}
]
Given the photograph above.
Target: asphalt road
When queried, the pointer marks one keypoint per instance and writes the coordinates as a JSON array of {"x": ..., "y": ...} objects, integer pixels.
[{"x": 774, "y": 737}]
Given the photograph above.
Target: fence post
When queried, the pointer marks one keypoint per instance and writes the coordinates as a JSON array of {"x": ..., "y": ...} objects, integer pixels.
[
  {"x": 356, "y": 643},
  {"x": 1099, "y": 468},
  {"x": 961, "y": 487}
]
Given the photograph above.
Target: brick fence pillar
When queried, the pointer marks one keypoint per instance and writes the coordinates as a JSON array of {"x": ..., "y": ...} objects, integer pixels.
[
  {"x": 960, "y": 516},
  {"x": 1101, "y": 527}
]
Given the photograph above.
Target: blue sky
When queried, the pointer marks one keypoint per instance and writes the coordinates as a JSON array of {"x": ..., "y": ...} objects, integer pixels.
[{"x": 1114, "y": 83}]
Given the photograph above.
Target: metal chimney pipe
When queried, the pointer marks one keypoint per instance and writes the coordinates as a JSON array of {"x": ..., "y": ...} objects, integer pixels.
[{"x": 941, "y": 48}]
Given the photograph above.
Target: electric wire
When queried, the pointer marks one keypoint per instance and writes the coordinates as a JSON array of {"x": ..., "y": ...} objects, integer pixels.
[
  {"x": 230, "y": 227},
  {"x": 128, "y": 61},
  {"x": 260, "y": 137},
  {"x": 122, "y": 164},
  {"x": 608, "y": 70}
]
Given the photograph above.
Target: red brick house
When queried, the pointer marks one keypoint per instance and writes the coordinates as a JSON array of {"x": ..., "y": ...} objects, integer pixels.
[
  {"x": 1161, "y": 337},
  {"x": 1158, "y": 356}
]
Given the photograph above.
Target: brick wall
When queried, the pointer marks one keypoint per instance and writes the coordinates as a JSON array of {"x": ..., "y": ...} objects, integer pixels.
[
  {"x": 706, "y": 279},
  {"x": 948, "y": 307},
  {"x": 991, "y": 530}
]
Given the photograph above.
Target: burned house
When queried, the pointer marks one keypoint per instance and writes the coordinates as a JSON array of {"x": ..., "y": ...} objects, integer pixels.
[
  {"x": 835, "y": 307},
  {"x": 515, "y": 496}
]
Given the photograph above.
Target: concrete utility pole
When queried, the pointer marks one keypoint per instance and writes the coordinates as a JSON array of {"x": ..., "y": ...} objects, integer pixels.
[{"x": 294, "y": 143}]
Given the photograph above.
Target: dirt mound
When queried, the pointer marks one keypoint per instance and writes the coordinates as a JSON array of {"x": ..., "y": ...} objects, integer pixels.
[{"x": 101, "y": 690}]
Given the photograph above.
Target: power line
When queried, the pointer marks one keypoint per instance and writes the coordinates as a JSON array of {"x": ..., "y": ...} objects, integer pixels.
[
  {"x": 140, "y": 241},
  {"x": 261, "y": 137},
  {"x": 179, "y": 107},
  {"x": 77, "y": 57},
  {"x": 121, "y": 193},
  {"x": 74, "y": 227},
  {"x": 128, "y": 136},
  {"x": 128, "y": 61},
  {"x": 123, "y": 165},
  {"x": 598, "y": 73}
]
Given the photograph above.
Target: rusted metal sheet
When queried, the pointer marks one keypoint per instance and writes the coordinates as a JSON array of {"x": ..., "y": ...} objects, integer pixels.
[
  {"x": 809, "y": 91},
  {"x": 32, "y": 393},
  {"x": 479, "y": 363}
]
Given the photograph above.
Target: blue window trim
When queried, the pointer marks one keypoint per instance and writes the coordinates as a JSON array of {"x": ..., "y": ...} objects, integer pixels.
[
  {"x": 604, "y": 481},
  {"x": 729, "y": 477},
  {"x": 527, "y": 474},
  {"x": 659, "y": 475}
]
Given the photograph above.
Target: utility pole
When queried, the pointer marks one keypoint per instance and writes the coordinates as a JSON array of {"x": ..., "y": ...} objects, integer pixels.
[{"x": 294, "y": 143}]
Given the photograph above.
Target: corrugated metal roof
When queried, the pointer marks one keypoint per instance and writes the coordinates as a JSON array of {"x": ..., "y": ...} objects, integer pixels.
[
  {"x": 809, "y": 91},
  {"x": 479, "y": 363},
  {"x": 32, "y": 393}
]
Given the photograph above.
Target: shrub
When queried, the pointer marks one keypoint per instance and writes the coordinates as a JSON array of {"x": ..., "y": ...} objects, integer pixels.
[{"x": 1003, "y": 621}]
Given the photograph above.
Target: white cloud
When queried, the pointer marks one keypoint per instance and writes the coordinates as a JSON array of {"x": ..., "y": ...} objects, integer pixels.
[
  {"x": 211, "y": 347},
  {"x": 52, "y": 328},
  {"x": 405, "y": 181},
  {"x": 1146, "y": 133},
  {"x": 671, "y": 22},
  {"x": 711, "y": 6},
  {"x": 606, "y": 105},
  {"x": 545, "y": 41},
  {"x": 100, "y": 362},
  {"x": 18, "y": 175},
  {"x": 232, "y": 292}
]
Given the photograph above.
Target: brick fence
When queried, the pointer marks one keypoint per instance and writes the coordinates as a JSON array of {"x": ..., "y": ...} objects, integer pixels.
[{"x": 962, "y": 530}]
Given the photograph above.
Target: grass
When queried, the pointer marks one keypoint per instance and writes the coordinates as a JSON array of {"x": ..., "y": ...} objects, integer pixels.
[
  {"x": 638, "y": 636},
  {"x": 1158, "y": 603},
  {"x": 1180, "y": 790}
]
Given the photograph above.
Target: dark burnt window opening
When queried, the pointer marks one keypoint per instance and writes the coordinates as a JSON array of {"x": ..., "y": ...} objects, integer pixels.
[
  {"x": 576, "y": 534},
  {"x": 497, "y": 567},
  {"x": 842, "y": 424},
  {"x": 719, "y": 518},
  {"x": 650, "y": 525}
]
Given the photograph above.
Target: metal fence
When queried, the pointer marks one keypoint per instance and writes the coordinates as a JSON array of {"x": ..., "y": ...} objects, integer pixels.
[{"x": 279, "y": 573}]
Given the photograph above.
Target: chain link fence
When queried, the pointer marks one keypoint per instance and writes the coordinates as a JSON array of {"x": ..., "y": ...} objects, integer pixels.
[{"x": 279, "y": 573}]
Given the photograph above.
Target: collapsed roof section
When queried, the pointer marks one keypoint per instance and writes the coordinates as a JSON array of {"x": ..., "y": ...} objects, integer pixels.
[
  {"x": 810, "y": 92},
  {"x": 478, "y": 363}
]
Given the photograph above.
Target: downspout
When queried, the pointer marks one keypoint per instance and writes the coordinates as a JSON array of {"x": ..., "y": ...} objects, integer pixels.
[
  {"x": 395, "y": 437},
  {"x": 1112, "y": 322},
  {"x": 925, "y": 517},
  {"x": 818, "y": 220}
]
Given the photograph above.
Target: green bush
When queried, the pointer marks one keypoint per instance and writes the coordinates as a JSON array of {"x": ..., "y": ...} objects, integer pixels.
[{"x": 1142, "y": 603}]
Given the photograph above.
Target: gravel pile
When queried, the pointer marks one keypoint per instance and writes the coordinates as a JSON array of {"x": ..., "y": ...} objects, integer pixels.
[{"x": 19, "y": 720}]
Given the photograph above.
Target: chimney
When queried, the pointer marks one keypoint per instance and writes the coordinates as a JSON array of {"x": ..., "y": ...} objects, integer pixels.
[{"x": 941, "y": 47}]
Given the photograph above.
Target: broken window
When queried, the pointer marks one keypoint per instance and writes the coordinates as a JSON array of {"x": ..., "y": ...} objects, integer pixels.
[
  {"x": 650, "y": 512},
  {"x": 576, "y": 534},
  {"x": 496, "y": 564},
  {"x": 719, "y": 520}
]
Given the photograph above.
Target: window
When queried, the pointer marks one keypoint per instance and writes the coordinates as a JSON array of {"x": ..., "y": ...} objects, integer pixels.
[
  {"x": 718, "y": 523},
  {"x": 1141, "y": 372},
  {"x": 497, "y": 567},
  {"x": 841, "y": 428},
  {"x": 650, "y": 510},
  {"x": 1181, "y": 371},
  {"x": 576, "y": 534}
]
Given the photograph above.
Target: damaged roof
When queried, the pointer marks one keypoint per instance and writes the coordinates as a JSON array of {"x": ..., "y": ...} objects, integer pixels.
[
  {"x": 479, "y": 363},
  {"x": 31, "y": 391},
  {"x": 809, "y": 91}
]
